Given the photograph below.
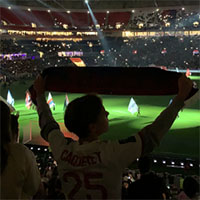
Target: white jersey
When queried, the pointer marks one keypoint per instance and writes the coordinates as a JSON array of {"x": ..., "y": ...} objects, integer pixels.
[{"x": 93, "y": 170}]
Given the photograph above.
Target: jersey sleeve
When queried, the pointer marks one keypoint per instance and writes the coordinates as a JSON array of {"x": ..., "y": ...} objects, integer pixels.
[
  {"x": 46, "y": 120},
  {"x": 50, "y": 129},
  {"x": 152, "y": 134},
  {"x": 124, "y": 152}
]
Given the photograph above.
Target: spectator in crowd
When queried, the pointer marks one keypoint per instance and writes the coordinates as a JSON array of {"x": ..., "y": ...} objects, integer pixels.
[
  {"x": 14, "y": 128},
  {"x": 125, "y": 186},
  {"x": 150, "y": 185},
  {"x": 190, "y": 189},
  {"x": 54, "y": 186},
  {"x": 170, "y": 52},
  {"x": 20, "y": 177},
  {"x": 90, "y": 168}
]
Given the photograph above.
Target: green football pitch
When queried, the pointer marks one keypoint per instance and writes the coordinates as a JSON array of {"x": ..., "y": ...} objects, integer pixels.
[{"x": 181, "y": 139}]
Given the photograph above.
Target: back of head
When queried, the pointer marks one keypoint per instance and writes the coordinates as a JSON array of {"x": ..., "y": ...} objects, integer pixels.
[
  {"x": 190, "y": 187},
  {"x": 144, "y": 164},
  {"x": 81, "y": 112},
  {"x": 14, "y": 127},
  {"x": 5, "y": 133}
]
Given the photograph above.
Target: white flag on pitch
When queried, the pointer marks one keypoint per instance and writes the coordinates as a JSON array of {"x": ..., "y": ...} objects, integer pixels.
[
  {"x": 10, "y": 100},
  {"x": 132, "y": 107}
]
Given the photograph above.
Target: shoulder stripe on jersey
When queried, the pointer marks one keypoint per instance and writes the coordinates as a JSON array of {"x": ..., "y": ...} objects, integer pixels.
[{"x": 127, "y": 140}]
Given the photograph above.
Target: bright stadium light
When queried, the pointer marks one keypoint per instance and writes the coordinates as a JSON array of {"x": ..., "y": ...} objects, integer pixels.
[
  {"x": 86, "y": 1},
  {"x": 164, "y": 162}
]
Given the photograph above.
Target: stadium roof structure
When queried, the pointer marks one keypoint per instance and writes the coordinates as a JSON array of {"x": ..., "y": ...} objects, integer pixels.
[{"x": 100, "y": 4}]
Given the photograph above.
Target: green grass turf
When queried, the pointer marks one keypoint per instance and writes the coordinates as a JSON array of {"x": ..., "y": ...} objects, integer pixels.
[{"x": 181, "y": 139}]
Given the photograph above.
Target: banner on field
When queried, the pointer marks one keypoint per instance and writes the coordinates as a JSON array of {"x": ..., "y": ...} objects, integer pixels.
[
  {"x": 50, "y": 101},
  {"x": 10, "y": 99}
]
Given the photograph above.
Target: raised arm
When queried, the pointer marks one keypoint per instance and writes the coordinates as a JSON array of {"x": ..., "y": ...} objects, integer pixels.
[
  {"x": 152, "y": 134},
  {"x": 46, "y": 120}
]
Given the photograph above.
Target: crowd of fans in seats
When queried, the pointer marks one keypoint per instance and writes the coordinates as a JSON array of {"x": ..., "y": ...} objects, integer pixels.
[
  {"x": 138, "y": 19},
  {"x": 172, "y": 52},
  {"x": 179, "y": 19}
]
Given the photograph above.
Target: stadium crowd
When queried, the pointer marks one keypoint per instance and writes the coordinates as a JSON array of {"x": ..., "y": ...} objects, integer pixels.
[
  {"x": 166, "y": 20},
  {"x": 171, "y": 52}
]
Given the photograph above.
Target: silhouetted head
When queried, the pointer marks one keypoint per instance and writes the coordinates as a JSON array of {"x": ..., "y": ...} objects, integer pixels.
[
  {"x": 190, "y": 187},
  {"x": 14, "y": 127},
  {"x": 5, "y": 123},
  {"x": 5, "y": 133},
  {"x": 84, "y": 112}
]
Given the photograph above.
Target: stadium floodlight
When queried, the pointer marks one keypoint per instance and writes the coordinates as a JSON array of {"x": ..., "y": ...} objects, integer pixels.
[
  {"x": 164, "y": 162},
  {"x": 86, "y": 1},
  {"x": 155, "y": 161}
]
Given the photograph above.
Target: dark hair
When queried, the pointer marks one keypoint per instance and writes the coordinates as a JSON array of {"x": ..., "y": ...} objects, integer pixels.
[
  {"x": 5, "y": 133},
  {"x": 81, "y": 112},
  {"x": 190, "y": 186},
  {"x": 14, "y": 126}
]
